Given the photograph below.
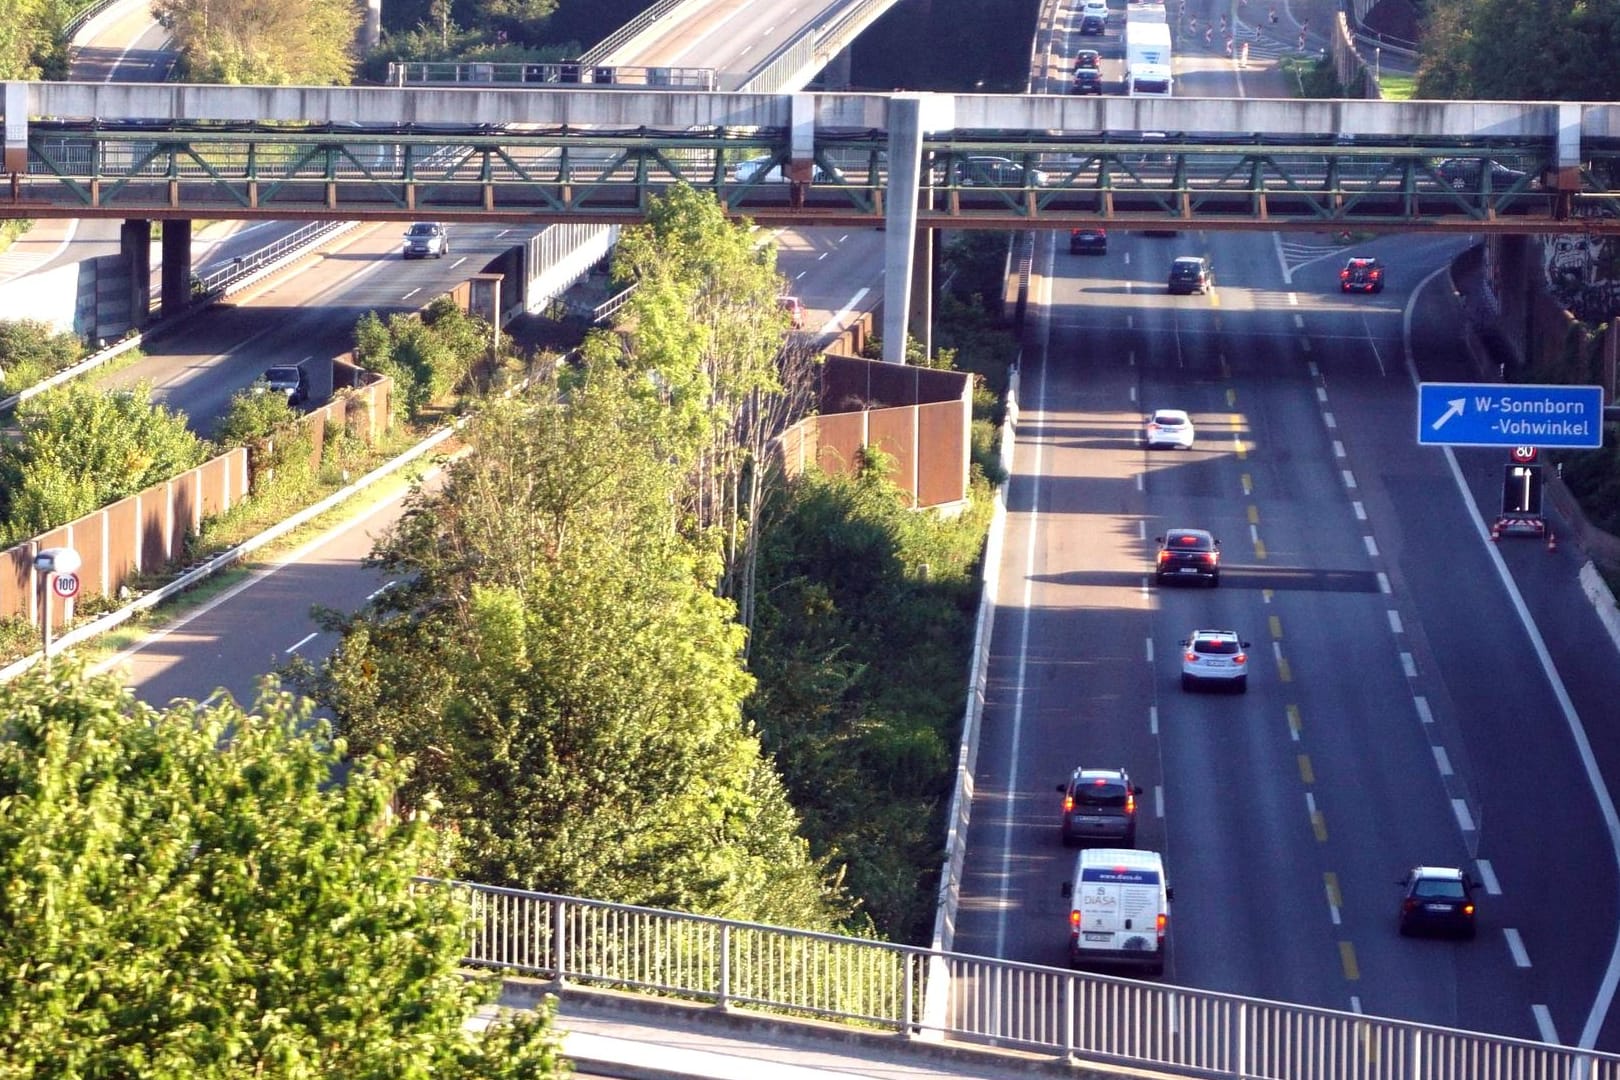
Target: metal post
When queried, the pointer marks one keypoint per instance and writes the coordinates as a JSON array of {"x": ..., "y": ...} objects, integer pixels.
[
  {"x": 1378, "y": 61},
  {"x": 45, "y": 617}
]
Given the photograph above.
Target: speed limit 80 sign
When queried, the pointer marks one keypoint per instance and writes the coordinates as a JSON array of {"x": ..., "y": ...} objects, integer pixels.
[{"x": 1523, "y": 455}]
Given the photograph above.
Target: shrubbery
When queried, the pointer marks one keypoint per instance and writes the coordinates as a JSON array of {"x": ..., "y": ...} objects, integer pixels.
[{"x": 31, "y": 352}]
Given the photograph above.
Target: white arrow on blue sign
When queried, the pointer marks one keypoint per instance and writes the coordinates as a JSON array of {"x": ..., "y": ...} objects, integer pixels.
[{"x": 1510, "y": 414}]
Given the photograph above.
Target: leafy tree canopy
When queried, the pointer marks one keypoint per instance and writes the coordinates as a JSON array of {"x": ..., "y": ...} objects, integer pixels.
[
  {"x": 82, "y": 448},
  {"x": 290, "y": 42},
  {"x": 565, "y": 679},
  {"x": 187, "y": 892},
  {"x": 1532, "y": 50}
]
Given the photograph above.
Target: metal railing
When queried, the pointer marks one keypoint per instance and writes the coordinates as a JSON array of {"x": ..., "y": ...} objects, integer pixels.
[
  {"x": 627, "y": 33},
  {"x": 562, "y": 73},
  {"x": 71, "y": 28},
  {"x": 1025, "y": 1007},
  {"x": 226, "y": 274}
]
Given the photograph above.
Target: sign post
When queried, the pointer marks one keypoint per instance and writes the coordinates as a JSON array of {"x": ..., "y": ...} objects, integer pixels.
[{"x": 58, "y": 568}]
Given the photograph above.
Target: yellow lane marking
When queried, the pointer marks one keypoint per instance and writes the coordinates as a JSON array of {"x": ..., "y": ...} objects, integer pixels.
[
  {"x": 1305, "y": 772},
  {"x": 1319, "y": 826},
  {"x": 1331, "y": 881},
  {"x": 1237, "y": 445},
  {"x": 1259, "y": 548},
  {"x": 1347, "y": 957},
  {"x": 1284, "y": 672},
  {"x": 1254, "y": 515},
  {"x": 1294, "y": 723},
  {"x": 1276, "y": 626}
]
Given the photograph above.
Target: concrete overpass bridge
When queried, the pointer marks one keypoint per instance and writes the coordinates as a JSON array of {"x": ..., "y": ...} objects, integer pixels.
[{"x": 908, "y": 162}]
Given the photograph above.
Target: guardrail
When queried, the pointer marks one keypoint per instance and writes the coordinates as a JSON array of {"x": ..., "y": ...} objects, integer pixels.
[
  {"x": 71, "y": 28},
  {"x": 1025, "y": 1007},
  {"x": 626, "y": 33},
  {"x": 563, "y": 73},
  {"x": 231, "y": 273}
]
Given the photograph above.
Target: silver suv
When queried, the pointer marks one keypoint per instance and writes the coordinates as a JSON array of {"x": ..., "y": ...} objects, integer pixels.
[
  {"x": 1099, "y": 805},
  {"x": 426, "y": 238}
]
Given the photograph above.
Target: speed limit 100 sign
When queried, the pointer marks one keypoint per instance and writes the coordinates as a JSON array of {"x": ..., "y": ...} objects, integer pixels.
[
  {"x": 65, "y": 585},
  {"x": 1524, "y": 455}
]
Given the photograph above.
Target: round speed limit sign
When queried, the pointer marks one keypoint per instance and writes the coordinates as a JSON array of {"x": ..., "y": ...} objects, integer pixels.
[
  {"x": 65, "y": 585},
  {"x": 1524, "y": 455}
]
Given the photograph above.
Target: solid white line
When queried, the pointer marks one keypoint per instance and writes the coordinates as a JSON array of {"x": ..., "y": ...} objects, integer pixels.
[
  {"x": 1594, "y": 775},
  {"x": 1465, "y": 819},
  {"x": 1044, "y": 304},
  {"x": 294, "y": 647},
  {"x": 1394, "y": 621},
  {"x": 1544, "y": 1024},
  {"x": 1441, "y": 760},
  {"x": 1422, "y": 704},
  {"x": 1515, "y": 944},
  {"x": 1487, "y": 876}
]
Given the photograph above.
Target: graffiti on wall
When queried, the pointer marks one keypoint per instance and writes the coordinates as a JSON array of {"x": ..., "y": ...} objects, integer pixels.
[{"x": 1572, "y": 264}]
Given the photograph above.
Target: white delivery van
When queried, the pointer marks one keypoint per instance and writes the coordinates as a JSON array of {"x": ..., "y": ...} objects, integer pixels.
[{"x": 1119, "y": 911}]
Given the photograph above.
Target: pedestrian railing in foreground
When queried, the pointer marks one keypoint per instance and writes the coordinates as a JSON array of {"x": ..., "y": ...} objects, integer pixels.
[{"x": 876, "y": 985}]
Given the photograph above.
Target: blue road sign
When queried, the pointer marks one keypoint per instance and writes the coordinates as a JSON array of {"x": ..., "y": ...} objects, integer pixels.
[{"x": 1509, "y": 414}]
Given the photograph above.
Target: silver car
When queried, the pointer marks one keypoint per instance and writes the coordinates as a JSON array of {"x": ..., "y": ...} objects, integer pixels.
[{"x": 426, "y": 239}]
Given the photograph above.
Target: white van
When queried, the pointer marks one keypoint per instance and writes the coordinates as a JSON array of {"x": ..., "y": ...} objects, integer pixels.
[{"x": 1119, "y": 910}]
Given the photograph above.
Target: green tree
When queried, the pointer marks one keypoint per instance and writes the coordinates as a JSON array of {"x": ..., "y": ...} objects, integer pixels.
[
  {"x": 296, "y": 42},
  {"x": 31, "y": 351},
  {"x": 253, "y": 415},
  {"x": 1478, "y": 49},
  {"x": 428, "y": 354},
  {"x": 31, "y": 41},
  {"x": 188, "y": 893},
  {"x": 559, "y": 667},
  {"x": 81, "y": 448}
]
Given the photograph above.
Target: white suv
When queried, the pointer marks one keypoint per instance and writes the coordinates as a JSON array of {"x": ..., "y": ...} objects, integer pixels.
[{"x": 1214, "y": 656}]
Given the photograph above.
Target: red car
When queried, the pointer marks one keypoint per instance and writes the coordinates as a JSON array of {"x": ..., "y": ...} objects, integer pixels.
[{"x": 1362, "y": 274}]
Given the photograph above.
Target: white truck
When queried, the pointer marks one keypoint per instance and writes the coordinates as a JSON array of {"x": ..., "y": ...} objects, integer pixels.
[{"x": 1147, "y": 52}]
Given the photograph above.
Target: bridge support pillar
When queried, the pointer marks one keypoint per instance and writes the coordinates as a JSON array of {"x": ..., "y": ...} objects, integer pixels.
[
  {"x": 176, "y": 266},
  {"x": 920, "y": 312},
  {"x": 16, "y": 128},
  {"x": 909, "y": 116},
  {"x": 371, "y": 32}
]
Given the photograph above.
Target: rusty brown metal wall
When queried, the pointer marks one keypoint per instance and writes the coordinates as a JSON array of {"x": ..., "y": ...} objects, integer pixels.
[
  {"x": 894, "y": 432},
  {"x": 942, "y": 463}
]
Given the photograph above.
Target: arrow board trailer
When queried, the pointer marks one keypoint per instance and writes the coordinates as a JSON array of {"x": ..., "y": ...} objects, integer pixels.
[
  {"x": 1147, "y": 59},
  {"x": 1119, "y": 911},
  {"x": 1510, "y": 414}
]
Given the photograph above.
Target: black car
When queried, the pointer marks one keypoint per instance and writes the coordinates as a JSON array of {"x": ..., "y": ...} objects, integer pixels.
[
  {"x": 1362, "y": 273},
  {"x": 1099, "y": 805},
  {"x": 1088, "y": 81},
  {"x": 1188, "y": 555},
  {"x": 1092, "y": 24},
  {"x": 1437, "y": 899},
  {"x": 1088, "y": 241},
  {"x": 1463, "y": 174},
  {"x": 1190, "y": 274}
]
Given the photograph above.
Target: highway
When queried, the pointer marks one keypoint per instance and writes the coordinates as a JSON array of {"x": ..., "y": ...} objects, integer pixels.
[
  {"x": 1394, "y": 679},
  {"x": 1396, "y": 712}
]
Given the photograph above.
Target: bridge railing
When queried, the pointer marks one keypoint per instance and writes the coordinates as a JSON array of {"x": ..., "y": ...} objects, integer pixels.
[
  {"x": 1028, "y": 1007},
  {"x": 563, "y": 73}
]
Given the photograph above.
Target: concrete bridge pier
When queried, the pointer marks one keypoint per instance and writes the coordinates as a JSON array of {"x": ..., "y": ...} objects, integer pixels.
[
  {"x": 908, "y": 252},
  {"x": 176, "y": 266}
]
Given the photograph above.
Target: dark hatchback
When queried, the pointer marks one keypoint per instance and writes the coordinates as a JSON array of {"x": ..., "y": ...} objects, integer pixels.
[
  {"x": 1088, "y": 81},
  {"x": 1362, "y": 273},
  {"x": 1099, "y": 805},
  {"x": 1188, "y": 555},
  {"x": 1439, "y": 900},
  {"x": 1088, "y": 241}
]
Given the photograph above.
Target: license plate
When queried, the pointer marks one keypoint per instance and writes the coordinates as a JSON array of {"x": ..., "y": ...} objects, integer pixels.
[
  {"x": 1098, "y": 937},
  {"x": 1437, "y": 907},
  {"x": 1189, "y": 570}
]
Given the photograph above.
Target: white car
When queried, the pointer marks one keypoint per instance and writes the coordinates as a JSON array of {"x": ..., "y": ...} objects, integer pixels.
[
  {"x": 760, "y": 170},
  {"x": 1215, "y": 656},
  {"x": 1169, "y": 427}
]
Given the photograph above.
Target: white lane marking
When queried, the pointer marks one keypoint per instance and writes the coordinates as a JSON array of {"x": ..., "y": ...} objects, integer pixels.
[
  {"x": 1383, "y": 583},
  {"x": 295, "y": 646},
  {"x": 1521, "y": 958},
  {"x": 1594, "y": 775},
  {"x": 1361, "y": 511},
  {"x": 1305, "y": 344},
  {"x": 1141, "y": 529},
  {"x": 820, "y": 257},
  {"x": 1544, "y": 1024},
  {"x": 1312, "y": 370},
  {"x": 1254, "y": 534},
  {"x": 1394, "y": 621},
  {"x": 1355, "y": 1003},
  {"x": 838, "y": 316},
  {"x": 1372, "y": 546},
  {"x": 1133, "y": 392},
  {"x": 1276, "y": 651},
  {"x": 1130, "y": 322},
  {"x": 1310, "y": 805},
  {"x": 1338, "y": 448},
  {"x": 1332, "y": 424},
  {"x": 380, "y": 590},
  {"x": 1150, "y": 650},
  {"x": 410, "y": 294},
  {"x": 1465, "y": 819},
  {"x": 1139, "y": 484},
  {"x": 1153, "y": 719},
  {"x": 1158, "y": 800},
  {"x": 458, "y": 262},
  {"x": 1321, "y": 394},
  {"x": 1408, "y": 665},
  {"x": 1349, "y": 479},
  {"x": 1441, "y": 760},
  {"x": 1299, "y": 321},
  {"x": 1026, "y": 603},
  {"x": 1487, "y": 876}
]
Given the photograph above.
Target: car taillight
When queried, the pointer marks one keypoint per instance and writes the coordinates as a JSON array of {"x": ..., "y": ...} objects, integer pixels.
[
  {"x": 1163, "y": 921},
  {"x": 1468, "y": 909},
  {"x": 1130, "y": 804},
  {"x": 1164, "y": 556},
  {"x": 1068, "y": 803},
  {"x": 1344, "y": 275},
  {"x": 1074, "y": 919},
  {"x": 1212, "y": 557},
  {"x": 1190, "y": 656},
  {"x": 1241, "y": 658}
]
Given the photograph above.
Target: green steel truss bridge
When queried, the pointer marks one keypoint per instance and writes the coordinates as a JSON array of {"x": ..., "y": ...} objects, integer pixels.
[{"x": 986, "y": 161}]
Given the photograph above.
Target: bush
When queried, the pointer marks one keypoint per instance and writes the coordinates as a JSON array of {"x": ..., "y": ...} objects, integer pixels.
[{"x": 31, "y": 352}]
